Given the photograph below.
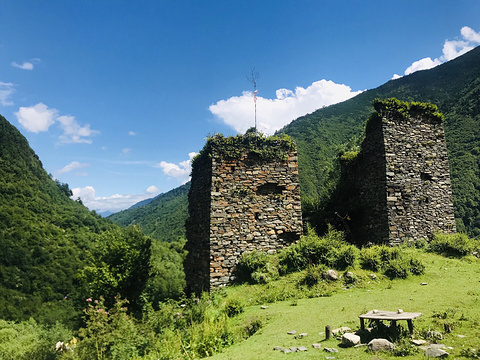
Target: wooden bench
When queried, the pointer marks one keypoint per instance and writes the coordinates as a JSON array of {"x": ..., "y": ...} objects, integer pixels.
[{"x": 392, "y": 316}]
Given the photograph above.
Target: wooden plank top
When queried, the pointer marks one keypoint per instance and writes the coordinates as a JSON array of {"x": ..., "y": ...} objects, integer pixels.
[{"x": 389, "y": 315}]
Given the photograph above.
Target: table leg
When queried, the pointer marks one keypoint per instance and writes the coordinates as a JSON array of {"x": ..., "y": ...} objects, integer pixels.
[{"x": 410, "y": 326}]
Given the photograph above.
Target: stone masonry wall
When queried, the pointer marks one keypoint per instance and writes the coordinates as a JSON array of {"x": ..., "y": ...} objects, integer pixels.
[
  {"x": 419, "y": 195},
  {"x": 252, "y": 204},
  {"x": 403, "y": 179}
]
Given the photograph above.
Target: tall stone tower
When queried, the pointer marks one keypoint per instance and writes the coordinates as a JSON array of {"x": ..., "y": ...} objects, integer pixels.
[
  {"x": 402, "y": 175},
  {"x": 244, "y": 196}
]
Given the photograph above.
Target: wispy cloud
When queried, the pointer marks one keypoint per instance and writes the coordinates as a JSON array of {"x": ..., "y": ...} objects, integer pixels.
[
  {"x": 126, "y": 151},
  {"x": 6, "y": 90},
  {"x": 180, "y": 171},
  {"x": 74, "y": 165},
  {"x": 111, "y": 203},
  {"x": 451, "y": 50},
  {"x": 132, "y": 133},
  {"x": 39, "y": 118},
  {"x": 273, "y": 114},
  {"x": 26, "y": 65},
  {"x": 73, "y": 132}
]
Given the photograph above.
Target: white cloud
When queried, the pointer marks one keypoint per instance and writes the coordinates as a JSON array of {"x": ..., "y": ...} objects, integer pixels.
[
  {"x": 40, "y": 117},
  {"x": 470, "y": 35},
  {"x": 36, "y": 118},
  {"x": 132, "y": 133},
  {"x": 73, "y": 132},
  {"x": 451, "y": 50},
  {"x": 273, "y": 114},
  {"x": 6, "y": 90},
  {"x": 126, "y": 151},
  {"x": 72, "y": 166},
  {"x": 111, "y": 203},
  {"x": 180, "y": 171},
  {"x": 26, "y": 65},
  {"x": 152, "y": 189},
  {"x": 423, "y": 64}
]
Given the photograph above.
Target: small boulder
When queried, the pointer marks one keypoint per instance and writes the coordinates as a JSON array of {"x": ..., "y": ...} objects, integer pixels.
[
  {"x": 341, "y": 330},
  {"x": 434, "y": 335},
  {"x": 302, "y": 348},
  {"x": 317, "y": 346},
  {"x": 330, "y": 350},
  {"x": 380, "y": 344},
  {"x": 349, "y": 340},
  {"x": 292, "y": 332},
  {"x": 418, "y": 342},
  {"x": 435, "y": 353},
  {"x": 330, "y": 275}
]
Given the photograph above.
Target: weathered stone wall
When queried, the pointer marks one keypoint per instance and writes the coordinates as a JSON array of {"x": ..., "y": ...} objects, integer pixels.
[
  {"x": 403, "y": 179},
  {"x": 247, "y": 202}
]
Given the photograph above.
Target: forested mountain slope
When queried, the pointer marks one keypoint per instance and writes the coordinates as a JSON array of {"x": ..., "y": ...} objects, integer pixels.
[
  {"x": 163, "y": 218},
  {"x": 454, "y": 87},
  {"x": 43, "y": 233}
]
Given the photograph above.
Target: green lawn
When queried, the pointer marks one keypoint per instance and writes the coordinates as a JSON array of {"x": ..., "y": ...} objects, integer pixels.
[{"x": 452, "y": 295}]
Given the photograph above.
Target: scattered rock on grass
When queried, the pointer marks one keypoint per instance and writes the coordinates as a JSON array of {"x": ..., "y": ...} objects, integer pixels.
[
  {"x": 301, "y": 348},
  {"x": 380, "y": 344},
  {"x": 264, "y": 307},
  {"x": 341, "y": 330},
  {"x": 330, "y": 350},
  {"x": 432, "y": 352},
  {"x": 434, "y": 335},
  {"x": 419, "y": 342},
  {"x": 317, "y": 346},
  {"x": 292, "y": 332},
  {"x": 350, "y": 339},
  {"x": 330, "y": 275}
]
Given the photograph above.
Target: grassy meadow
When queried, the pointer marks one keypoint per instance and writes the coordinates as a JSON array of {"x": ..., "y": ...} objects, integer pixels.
[{"x": 451, "y": 295}]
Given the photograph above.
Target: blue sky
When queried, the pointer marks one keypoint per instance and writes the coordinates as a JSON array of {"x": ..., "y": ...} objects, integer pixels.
[{"x": 116, "y": 96}]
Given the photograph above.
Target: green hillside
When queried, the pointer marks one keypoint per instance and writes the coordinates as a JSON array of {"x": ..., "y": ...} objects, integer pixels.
[
  {"x": 454, "y": 87},
  {"x": 54, "y": 252},
  {"x": 163, "y": 218}
]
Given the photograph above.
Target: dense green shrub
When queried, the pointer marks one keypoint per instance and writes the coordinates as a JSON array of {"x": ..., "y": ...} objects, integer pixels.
[
  {"x": 457, "y": 245},
  {"x": 28, "y": 340},
  {"x": 255, "y": 267},
  {"x": 233, "y": 307},
  {"x": 330, "y": 250},
  {"x": 392, "y": 261},
  {"x": 313, "y": 275}
]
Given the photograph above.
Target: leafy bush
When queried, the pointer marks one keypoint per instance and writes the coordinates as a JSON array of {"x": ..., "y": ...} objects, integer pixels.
[
  {"x": 255, "y": 267},
  {"x": 457, "y": 245},
  {"x": 110, "y": 333},
  {"x": 313, "y": 275},
  {"x": 330, "y": 250},
  {"x": 28, "y": 340},
  {"x": 392, "y": 261},
  {"x": 233, "y": 307}
]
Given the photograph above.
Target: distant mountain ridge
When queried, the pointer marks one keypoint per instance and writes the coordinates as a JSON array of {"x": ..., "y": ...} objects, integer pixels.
[
  {"x": 162, "y": 217},
  {"x": 453, "y": 86}
]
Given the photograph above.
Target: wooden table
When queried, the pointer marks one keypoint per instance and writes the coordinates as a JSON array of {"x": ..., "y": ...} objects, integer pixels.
[{"x": 392, "y": 316}]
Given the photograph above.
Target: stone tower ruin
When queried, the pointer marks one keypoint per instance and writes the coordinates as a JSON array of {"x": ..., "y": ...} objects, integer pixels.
[
  {"x": 401, "y": 177},
  {"x": 244, "y": 196}
]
